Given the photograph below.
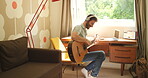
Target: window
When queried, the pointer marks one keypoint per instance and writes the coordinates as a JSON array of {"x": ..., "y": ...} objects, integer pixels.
[{"x": 112, "y": 12}]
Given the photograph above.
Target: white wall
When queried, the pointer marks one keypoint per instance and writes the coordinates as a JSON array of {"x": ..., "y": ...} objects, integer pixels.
[{"x": 108, "y": 31}]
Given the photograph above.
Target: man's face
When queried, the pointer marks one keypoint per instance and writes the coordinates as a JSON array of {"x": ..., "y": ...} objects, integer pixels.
[{"x": 90, "y": 24}]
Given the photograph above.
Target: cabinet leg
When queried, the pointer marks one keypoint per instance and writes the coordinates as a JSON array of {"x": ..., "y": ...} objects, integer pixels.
[
  {"x": 73, "y": 67},
  {"x": 122, "y": 68}
]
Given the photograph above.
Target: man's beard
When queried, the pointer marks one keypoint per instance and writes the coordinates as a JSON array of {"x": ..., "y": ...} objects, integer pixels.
[{"x": 87, "y": 25}]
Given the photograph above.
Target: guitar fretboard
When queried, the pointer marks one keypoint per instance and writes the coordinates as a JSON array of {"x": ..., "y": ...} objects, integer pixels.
[{"x": 90, "y": 46}]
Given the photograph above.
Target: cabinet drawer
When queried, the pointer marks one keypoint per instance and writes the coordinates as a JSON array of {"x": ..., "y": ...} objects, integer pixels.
[
  {"x": 122, "y": 58},
  {"x": 122, "y": 54},
  {"x": 122, "y": 50}
]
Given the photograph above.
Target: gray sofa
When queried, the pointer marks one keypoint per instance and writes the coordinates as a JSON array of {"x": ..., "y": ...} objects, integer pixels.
[{"x": 19, "y": 62}]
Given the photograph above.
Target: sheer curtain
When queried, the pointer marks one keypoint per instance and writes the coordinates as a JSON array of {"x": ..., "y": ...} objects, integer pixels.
[
  {"x": 140, "y": 8},
  {"x": 78, "y": 12},
  {"x": 66, "y": 20}
]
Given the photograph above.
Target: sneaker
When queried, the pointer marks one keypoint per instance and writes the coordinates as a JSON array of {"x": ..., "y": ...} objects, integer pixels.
[
  {"x": 90, "y": 76},
  {"x": 85, "y": 72}
]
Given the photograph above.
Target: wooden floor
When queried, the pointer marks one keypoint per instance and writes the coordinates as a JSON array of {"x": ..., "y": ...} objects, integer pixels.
[{"x": 108, "y": 70}]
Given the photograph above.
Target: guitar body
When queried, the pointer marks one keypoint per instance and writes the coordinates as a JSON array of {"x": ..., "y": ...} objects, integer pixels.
[{"x": 76, "y": 51}]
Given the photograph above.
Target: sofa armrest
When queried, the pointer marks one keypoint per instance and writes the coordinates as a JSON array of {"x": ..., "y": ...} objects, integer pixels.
[{"x": 44, "y": 55}]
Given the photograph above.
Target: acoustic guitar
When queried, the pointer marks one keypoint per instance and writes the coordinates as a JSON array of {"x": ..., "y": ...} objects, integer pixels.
[{"x": 77, "y": 50}]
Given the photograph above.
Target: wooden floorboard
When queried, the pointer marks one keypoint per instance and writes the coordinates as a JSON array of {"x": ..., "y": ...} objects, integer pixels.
[{"x": 108, "y": 70}]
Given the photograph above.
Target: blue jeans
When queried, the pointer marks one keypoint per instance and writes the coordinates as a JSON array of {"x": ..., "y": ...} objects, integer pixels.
[{"x": 97, "y": 57}]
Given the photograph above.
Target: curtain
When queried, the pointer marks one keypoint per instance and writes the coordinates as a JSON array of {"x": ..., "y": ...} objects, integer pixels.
[
  {"x": 66, "y": 20},
  {"x": 140, "y": 9}
]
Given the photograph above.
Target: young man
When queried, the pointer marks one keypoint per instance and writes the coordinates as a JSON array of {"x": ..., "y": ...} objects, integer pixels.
[{"x": 97, "y": 57}]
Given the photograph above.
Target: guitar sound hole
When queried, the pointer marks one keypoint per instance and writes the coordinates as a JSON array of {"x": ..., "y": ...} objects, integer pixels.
[
  {"x": 78, "y": 51},
  {"x": 85, "y": 46}
]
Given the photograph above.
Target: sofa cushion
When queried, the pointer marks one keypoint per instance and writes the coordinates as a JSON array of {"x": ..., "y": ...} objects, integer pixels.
[
  {"x": 34, "y": 70},
  {"x": 13, "y": 53}
]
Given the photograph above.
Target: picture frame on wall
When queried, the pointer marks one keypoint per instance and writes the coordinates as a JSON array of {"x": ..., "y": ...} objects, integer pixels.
[
  {"x": 129, "y": 35},
  {"x": 116, "y": 33}
]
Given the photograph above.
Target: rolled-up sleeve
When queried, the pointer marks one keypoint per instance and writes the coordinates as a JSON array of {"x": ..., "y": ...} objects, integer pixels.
[{"x": 77, "y": 29}]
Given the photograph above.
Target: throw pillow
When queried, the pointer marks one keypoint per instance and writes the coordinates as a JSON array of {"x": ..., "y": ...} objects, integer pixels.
[{"x": 13, "y": 53}]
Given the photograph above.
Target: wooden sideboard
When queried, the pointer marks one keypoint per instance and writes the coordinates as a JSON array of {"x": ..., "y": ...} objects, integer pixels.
[{"x": 122, "y": 51}]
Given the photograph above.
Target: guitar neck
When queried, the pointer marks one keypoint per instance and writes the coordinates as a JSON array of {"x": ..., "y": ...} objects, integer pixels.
[
  {"x": 93, "y": 42},
  {"x": 94, "y": 39},
  {"x": 90, "y": 45}
]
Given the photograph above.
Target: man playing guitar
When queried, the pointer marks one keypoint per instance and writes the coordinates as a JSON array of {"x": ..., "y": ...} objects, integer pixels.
[{"x": 96, "y": 57}]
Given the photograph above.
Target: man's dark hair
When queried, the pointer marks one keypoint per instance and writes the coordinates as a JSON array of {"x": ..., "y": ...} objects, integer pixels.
[{"x": 91, "y": 17}]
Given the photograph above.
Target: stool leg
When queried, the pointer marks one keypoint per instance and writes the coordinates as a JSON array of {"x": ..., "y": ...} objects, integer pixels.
[
  {"x": 64, "y": 68},
  {"x": 77, "y": 69},
  {"x": 73, "y": 67}
]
